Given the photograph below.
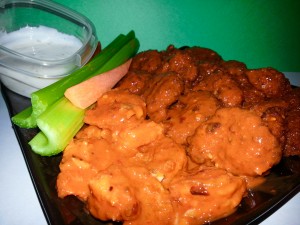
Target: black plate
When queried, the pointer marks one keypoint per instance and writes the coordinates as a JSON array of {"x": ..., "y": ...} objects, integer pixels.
[{"x": 281, "y": 185}]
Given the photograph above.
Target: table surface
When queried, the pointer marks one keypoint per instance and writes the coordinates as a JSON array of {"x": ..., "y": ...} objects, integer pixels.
[{"x": 19, "y": 203}]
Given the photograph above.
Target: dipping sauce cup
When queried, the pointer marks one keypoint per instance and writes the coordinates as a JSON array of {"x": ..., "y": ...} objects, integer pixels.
[{"x": 41, "y": 42}]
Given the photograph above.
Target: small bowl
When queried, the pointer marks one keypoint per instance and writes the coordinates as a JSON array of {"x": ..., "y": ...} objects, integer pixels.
[{"x": 41, "y": 42}]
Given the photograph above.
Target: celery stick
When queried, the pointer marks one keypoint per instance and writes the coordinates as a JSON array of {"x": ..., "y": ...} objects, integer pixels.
[
  {"x": 45, "y": 97},
  {"x": 42, "y": 98},
  {"x": 125, "y": 53},
  {"x": 58, "y": 125},
  {"x": 62, "y": 120},
  {"x": 24, "y": 118}
]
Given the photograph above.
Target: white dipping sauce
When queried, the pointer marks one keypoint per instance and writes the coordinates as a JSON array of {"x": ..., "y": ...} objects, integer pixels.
[{"x": 40, "y": 43}]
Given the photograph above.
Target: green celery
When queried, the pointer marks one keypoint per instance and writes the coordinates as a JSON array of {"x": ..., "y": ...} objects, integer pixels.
[
  {"x": 24, "y": 118},
  {"x": 62, "y": 120},
  {"x": 58, "y": 125},
  {"x": 43, "y": 98},
  {"x": 125, "y": 53}
]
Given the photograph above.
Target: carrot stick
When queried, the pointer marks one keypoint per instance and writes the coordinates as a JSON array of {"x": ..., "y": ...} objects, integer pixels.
[{"x": 87, "y": 92}]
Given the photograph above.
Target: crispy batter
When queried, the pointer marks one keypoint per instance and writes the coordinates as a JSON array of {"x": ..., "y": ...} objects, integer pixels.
[
  {"x": 190, "y": 111},
  {"x": 173, "y": 142},
  {"x": 235, "y": 139},
  {"x": 270, "y": 81},
  {"x": 223, "y": 87},
  {"x": 205, "y": 193},
  {"x": 264, "y": 90}
]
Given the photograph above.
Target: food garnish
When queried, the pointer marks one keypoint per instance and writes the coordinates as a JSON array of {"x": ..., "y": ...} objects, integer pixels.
[
  {"x": 116, "y": 53},
  {"x": 56, "y": 117},
  {"x": 87, "y": 92}
]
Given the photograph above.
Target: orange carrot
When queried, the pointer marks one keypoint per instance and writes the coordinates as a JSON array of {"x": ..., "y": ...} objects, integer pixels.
[{"x": 87, "y": 92}]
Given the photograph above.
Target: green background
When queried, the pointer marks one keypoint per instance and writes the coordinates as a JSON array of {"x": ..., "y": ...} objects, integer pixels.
[{"x": 259, "y": 33}]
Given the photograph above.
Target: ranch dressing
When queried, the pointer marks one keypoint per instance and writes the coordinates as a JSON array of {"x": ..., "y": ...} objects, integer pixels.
[
  {"x": 43, "y": 54},
  {"x": 41, "y": 42}
]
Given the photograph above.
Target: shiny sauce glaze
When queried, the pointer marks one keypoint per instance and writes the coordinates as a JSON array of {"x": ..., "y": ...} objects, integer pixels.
[{"x": 180, "y": 139}]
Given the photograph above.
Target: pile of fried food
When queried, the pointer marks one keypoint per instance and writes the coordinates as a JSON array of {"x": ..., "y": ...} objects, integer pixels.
[{"x": 179, "y": 138}]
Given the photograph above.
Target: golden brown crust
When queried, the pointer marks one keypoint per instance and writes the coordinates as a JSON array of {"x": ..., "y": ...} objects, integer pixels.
[
  {"x": 173, "y": 142},
  {"x": 265, "y": 91}
]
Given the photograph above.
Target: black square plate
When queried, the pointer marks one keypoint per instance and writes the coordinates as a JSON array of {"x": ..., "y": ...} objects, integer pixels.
[{"x": 282, "y": 183}]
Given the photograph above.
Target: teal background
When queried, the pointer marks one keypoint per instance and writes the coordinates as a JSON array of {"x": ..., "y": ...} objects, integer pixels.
[{"x": 259, "y": 33}]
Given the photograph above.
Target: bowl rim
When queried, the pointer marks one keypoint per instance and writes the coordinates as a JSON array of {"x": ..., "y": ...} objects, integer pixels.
[{"x": 65, "y": 12}]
